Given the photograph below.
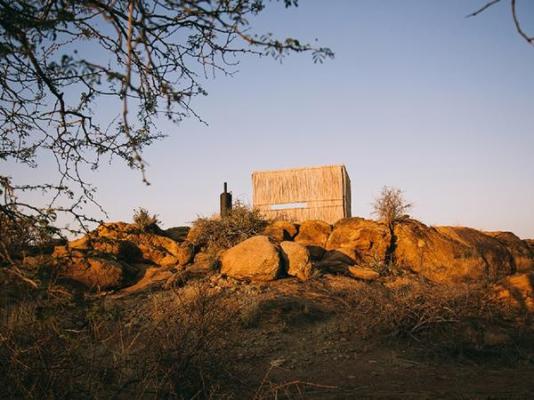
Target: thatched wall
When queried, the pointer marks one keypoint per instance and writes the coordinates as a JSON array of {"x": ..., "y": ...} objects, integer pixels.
[{"x": 324, "y": 193}]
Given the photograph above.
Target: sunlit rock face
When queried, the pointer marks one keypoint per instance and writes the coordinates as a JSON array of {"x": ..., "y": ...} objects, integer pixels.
[
  {"x": 256, "y": 258},
  {"x": 451, "y": 254}
]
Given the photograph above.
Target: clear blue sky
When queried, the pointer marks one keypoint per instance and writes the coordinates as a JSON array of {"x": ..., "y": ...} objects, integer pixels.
[{"x": 417, "y": 97}]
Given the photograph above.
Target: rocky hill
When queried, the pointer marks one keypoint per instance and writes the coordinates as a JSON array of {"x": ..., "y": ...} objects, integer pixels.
[
  {"x": 281, "y": 310},
  {"x": 121, "y": 256}
]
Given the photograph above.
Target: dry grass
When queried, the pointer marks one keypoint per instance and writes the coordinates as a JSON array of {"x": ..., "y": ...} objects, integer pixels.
[
  {"x": 62, "y": 346},
  {"x": 144, "y": 221},
  {"x": 451, "y": 317}
]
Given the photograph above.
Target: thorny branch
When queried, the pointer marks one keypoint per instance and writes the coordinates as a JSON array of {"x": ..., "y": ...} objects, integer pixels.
[
  {"x": 148, "y": 55},
  {"x": 517, "y": 23}
]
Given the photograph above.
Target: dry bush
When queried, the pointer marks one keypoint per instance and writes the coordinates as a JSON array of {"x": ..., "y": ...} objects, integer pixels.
[
  {"x": 144, "y": 221},
  {"x": 67, "y": 347},
  {"x": 391, "y": 207},
  {"x": 448, "y": 316},
  {"x": 215, "y": 234}
]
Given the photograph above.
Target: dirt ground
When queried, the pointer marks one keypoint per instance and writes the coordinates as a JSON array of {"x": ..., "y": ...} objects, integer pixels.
[{"x": 299, "y": 340}]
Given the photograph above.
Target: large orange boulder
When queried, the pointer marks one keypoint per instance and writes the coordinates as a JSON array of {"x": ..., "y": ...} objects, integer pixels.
[
  {"x": 158, "y": 249},
  {"x": 449, "y": 254},
  {"x": 496, "y": 257},
  {"x": 297, "y": 260},
  {"x": 256, "y": 258},
  {"x": 522, "y": 255},
  {"x": 314, "y": 234},
  {"x": 363, "y": 241}
]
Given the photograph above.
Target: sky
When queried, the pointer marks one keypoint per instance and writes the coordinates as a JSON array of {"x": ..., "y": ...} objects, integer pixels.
[{"x": 417, "y": 97}]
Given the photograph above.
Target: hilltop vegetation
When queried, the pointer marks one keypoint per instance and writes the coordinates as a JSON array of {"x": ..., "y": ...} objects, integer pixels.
[{"x": 242, "y": 307}]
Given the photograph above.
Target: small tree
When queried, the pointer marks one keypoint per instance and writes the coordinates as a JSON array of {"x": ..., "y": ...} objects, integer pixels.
[{"x": 391, "y": 207}]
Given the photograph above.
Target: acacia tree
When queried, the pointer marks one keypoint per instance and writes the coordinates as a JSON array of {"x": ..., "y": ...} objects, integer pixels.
[
  {"x": 150, "y": 56},
  {"x": 391, "y": 207}
]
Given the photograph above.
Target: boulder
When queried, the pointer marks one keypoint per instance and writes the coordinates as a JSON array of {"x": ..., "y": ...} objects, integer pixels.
[
  {"x": 363, "y": 241},
  {"x": 449, "y": 254},
  {"x": 366, "y": 274},
  {"x": 178, "y": 233},
  {"x": 335, "y": 261},
  {"x": 116, "y": 230},
  {"x": 122, "y": 249},
  {"x": 203, "y": 263},
  {"x": 280, "y": 230},
  {"x": 517, "y": 291},
  {"x": 313, "y": 234},
  {"x": 153, "y": 276},
  {"x": 296, "y": 260},
  {"x": 496, "y": 257},
  {"x": 520, "y": 250},
  {"x": 255, "y": 258},
  {"x": 158, "y": 249},
  {"x": 186, "y": 253},
  {"x": 92, "y": 272}
]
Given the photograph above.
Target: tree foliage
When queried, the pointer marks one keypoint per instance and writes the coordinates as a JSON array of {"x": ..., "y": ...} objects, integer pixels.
[{"x": 61, "y": 60}]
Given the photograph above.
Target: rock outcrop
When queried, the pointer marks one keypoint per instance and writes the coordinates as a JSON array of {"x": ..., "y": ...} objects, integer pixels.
[
  {"x": 157, "y": 249},
  {"x": 281, "y": 230},
  {"x": 256, "y": 258},
  {"x": 93, "y": 272},
  {"x": 517, "y": 291},
  {"x": 124, "y": 250},
  {"x": 365, "y": 242},
  {"x": 118, "y": 253},
  {"x": 314, "y": 235},
  {"x": 296, "y": 259},
  {"x": 522, "y": 255},
  {"x": 496, "y": 258},
  {"x": 450, "y": 254},
  {"x": 178, "y": 233}
]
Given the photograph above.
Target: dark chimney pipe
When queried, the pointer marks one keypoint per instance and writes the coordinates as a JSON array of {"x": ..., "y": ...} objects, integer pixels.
[{"x": 226, "y": 202}]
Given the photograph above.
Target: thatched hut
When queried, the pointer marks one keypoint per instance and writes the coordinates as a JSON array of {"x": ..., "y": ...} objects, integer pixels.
[{"x": 303, "y": 193}]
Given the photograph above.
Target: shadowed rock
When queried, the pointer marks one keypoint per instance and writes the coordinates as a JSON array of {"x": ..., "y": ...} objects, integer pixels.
[
  {"x": 281, "y": 230},
  {"x": 297, "y": 260},
  {"x": 522, "y": 255}
]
